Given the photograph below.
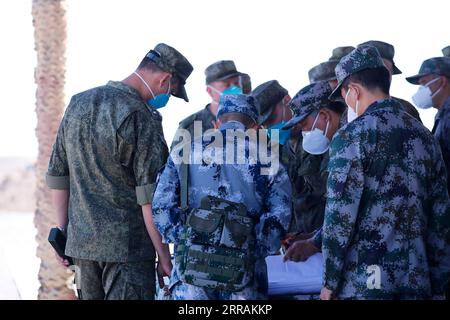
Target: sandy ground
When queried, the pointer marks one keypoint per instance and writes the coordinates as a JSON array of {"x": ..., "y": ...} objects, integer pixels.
[{"x": 19, "y": 265}]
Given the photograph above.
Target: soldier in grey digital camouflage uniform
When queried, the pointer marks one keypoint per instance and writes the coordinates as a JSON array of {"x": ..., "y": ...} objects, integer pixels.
[
  {"x": 387, "y": 53},
  {"x": 221, "y": 77},
  {"x": 434, "y": 81},
  {"x": 264, "y": 194},
  {"x": 108, "y": 151},
  {"x": 386, "y": 230}
]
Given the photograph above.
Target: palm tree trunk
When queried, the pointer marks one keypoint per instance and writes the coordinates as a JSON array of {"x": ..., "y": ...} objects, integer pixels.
[{"x": 50, "y": 44}]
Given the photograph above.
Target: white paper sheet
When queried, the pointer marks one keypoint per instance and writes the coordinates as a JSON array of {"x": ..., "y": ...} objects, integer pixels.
[{"x": 294, "y": 277}]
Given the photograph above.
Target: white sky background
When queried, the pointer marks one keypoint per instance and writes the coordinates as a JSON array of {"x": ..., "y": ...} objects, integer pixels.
[{"x": 268, "y": 39}]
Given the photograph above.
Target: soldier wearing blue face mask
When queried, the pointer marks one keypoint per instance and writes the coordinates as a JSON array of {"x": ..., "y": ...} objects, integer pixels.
[
  {"x": 222, "y": 78},
  {"x": 102, "y": 172}
]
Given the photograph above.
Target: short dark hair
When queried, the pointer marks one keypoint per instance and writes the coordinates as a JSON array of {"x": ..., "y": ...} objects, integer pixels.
[
  {"x": 148, "y": 64},
  {"x": 376, "y": 78},
  {"x": 337, "y": 106},
  {"x": 236, "y": 116}
]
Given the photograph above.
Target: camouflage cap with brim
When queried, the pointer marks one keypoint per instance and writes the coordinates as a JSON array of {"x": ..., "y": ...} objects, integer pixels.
[
  {"x": 323, "y": 72},
  {"x": 338, "y": 53},
  {"x": 439, "y": 66},
  {"x": 221, "y": 70},
  {"x": 238, "y": 103},
  {"x": 446, "y": 51},
  {"x": 310, "y": 99},
  {"x": 170, "y": 60},
  {"x": 386, "y": 51},
  {"x": 268, "y": 95},
  {"x": 362, "y": 58}
]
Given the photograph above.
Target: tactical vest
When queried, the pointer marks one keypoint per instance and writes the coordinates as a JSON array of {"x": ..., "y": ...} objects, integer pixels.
[{"x": 217, "y": 247}]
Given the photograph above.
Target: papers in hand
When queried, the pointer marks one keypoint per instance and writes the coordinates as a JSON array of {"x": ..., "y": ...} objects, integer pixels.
[{"x": 294, "y": 277}]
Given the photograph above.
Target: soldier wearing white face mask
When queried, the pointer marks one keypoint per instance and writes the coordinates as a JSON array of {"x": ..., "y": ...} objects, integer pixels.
[
  {"x": 317, "y": 119},
  {"x": 434, "y": 91}
]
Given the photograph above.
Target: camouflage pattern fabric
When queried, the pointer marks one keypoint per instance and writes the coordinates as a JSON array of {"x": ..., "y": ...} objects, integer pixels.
[
  {"x": 109, "y": 149},
  {"x": 387, "y": 207},
  {"x": 441, "y": 131},
  {"x": 266, "y": 197},
  {"x": 439, "y": 66}
]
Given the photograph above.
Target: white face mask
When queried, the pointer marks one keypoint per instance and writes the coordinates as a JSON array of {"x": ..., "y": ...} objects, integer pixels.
[
  {"x": 315, "y": 141},
  {"x": 351, "y": 114},
  {"x": 423, "y": 98}
]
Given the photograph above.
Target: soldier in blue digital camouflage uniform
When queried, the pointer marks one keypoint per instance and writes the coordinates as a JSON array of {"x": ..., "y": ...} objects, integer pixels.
[
  {"x": 386, "y": 227},
  {"x": 102, "y": 172},
  {"x": 434, "y": 91},
  {"x": 265, "y": 195}
]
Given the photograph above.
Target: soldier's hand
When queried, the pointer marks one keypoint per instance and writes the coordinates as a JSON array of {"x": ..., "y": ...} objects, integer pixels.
[
  {"x": 300, "y": 251},
  {"x": 63, "y": 262},
  {"x": 163, "y": 269},
  {"x": 326, "y": 294}
]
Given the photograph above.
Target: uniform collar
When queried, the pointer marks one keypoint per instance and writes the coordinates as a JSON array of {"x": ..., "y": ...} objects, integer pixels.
[
  {"x": 445, "y": 108},
  {"x": 381, "y": 104},
  {"x": 125, "y": 88}
]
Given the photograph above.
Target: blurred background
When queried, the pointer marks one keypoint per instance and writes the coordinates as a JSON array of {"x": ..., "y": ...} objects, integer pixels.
[{"x": 53, "y": 49}]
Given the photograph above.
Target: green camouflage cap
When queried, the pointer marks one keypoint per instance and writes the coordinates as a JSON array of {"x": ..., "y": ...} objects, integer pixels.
[
  {"x": 221, "y": 70},
  {"x": 267, "y": 96},
  {"x": 386, "y": 51},
  {"x": 340, "y": 52},
  {"x": 238, "y": 103},
  {"x": 363, "y": 57},
  {"x": 170, "y": 60},
  {"x": 311, "y": 98},
  {"x": 446, "y": 51},
  {"x": 323, "y": 72},
  {"x": 246, "y": 83},
  {"x": 438, "y": 65}
]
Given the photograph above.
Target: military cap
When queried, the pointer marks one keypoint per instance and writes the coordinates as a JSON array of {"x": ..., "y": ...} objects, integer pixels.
[
  {"x": 238, "y": 103},
  {"x": 439, "y": 66},
  {"x": 362, "y": 58},
  {"x": 267, "y": 96},
  {"x": 170, "y": 60},
  {"x": 246, "y": 83},
  {"x": 446, "y": 51},
  {"x": 311, "y": 98},
  {"x": 385, "y": 50},
  {"x": 221, "y": 70},
  {"x": 323, "y": 72},
  {"x": 338, "y": 53}
]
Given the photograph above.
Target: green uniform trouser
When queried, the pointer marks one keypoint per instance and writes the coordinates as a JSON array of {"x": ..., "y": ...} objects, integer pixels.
[{"x": 115, "y": 280}]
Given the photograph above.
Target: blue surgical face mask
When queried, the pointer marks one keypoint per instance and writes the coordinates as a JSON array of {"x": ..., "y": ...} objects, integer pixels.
[
  {"x": 283, "y": 135},
  {"x": 230, "y": 90},
  {"x": 158, "y": 101}
]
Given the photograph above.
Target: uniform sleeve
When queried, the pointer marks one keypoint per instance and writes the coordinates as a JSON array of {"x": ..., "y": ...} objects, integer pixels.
[
  {"x": 344, "y": 189},
  {"x": 438, "y": 239},
  {"x": 141, "y": 147},
  {"x": 274, "y": 222},
  {"x": 58, "y": 169},
  {"x": 165, "y": 205},
  {"x": 443, "y": 136},
  {"x": 317, "y": 239}
]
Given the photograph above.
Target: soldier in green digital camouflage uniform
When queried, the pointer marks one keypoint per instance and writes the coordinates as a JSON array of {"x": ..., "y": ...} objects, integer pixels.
[
  {"x": 108, "y": 151},
  {"x": 222, "y": 77},
  {"x": 317, "y": 119},
  {"x": 386, "y": 232}
]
